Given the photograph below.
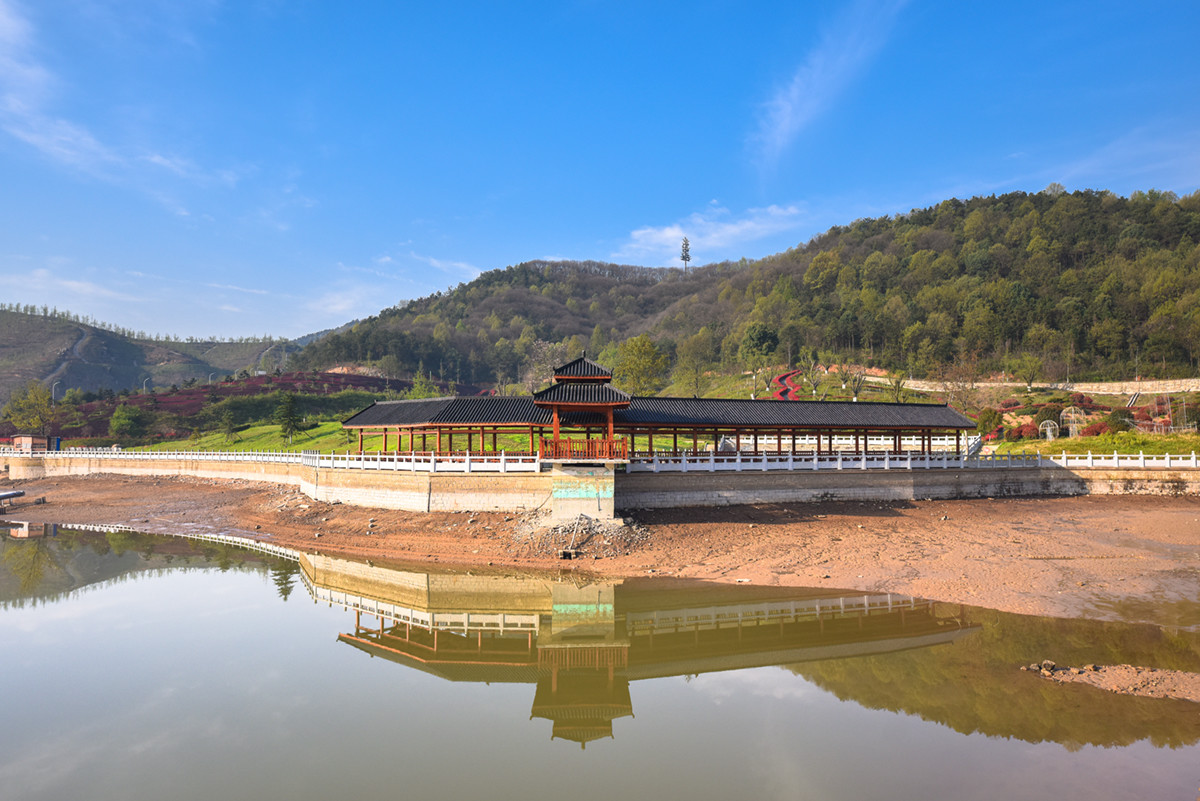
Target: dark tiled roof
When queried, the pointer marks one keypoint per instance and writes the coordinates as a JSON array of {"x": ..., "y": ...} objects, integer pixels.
[
  {"x": 788, "y": 414},
  {"x": 442, "y": 411},
  {"x": 698, "y": 412},
  {"x": 398, "y": 413},
  {"x": 582, "y": 367},
  {"x": 602, "y": 394}
]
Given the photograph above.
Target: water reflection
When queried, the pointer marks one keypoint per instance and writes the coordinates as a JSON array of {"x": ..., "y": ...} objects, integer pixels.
[{"x": 582, "y": 644}]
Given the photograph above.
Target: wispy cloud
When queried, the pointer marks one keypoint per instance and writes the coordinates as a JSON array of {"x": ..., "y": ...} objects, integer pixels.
[
  {"x": 1142, "y": 158},
  {"x": 29, "y": 93},
  {"x": 25, "y": 86},
  {"x": 447, "y": 266},
  {"x": 42, "y": 280},
  {"x": 239, "y": 289},
  {"x": 845, "y": 48},
  {"x": 715, "y": 230}
]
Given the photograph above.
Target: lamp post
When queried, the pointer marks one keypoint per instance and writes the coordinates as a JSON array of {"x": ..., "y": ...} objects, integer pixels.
[
  {"x": 210, "y": 375},
  {"x": 144, "y": 385},
  {"x": 52, "y": 387}
]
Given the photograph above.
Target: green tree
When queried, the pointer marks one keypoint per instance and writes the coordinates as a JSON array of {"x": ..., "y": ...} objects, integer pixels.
[
  {"x": 694, "y": 357},
  {"x": 30, "y": 409},
  {"x": 896, "y": 386},
  {"x": 1027, "y": 367},
  {"x": 640, "y": 367},
  {"x": 757, "y": 347},
  {"x": 287, "y": 416},
  {"x": 126, "y": 421},
  {"x": 422, "y": 387},
  {"x": 229, "y": 425}
]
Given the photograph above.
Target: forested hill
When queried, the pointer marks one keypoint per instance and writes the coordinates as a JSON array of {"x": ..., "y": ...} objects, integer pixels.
[{"x": 1087, "y": 281}]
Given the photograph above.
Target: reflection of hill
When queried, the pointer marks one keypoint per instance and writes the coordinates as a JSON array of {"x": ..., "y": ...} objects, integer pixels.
[
  {"x": 42, "y": 562},
  {"x": 975, "y": 685}
]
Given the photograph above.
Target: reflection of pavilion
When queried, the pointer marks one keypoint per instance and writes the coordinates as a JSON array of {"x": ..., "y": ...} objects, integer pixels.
[{"x": 582, "y": 645}]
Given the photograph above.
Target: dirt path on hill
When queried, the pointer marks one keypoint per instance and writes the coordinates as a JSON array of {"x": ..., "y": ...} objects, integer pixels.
[{"x": 1117, "y": 558}]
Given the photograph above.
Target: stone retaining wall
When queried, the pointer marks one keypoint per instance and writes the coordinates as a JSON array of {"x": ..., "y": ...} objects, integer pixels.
[
  {"x": 676, "y": 490},
  {"x": 385, "y": 489},
  {"x": 516, "y": 492}
]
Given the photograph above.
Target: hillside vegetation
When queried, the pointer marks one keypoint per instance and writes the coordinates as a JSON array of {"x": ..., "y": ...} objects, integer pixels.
[
  {"x": 80, "y": 353},
  {"x": 1054, "y": 284}
]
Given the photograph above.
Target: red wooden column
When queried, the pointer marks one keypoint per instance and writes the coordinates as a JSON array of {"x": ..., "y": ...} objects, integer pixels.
[
  {"x": 360, "y": 440},
  {"x": 557, "y": 427}
]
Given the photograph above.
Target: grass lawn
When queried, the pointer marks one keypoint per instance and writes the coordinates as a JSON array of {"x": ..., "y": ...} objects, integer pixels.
[{"x": 1123, "y": 442}]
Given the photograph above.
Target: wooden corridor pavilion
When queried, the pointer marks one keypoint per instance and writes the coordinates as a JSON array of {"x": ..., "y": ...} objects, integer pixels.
[{"x": 605, "y": 421}]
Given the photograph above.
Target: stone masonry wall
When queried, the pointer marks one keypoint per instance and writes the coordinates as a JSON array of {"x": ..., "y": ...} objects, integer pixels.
[
  {"x": 675, "y": 490},
  {"x": 515, "y": 492}
]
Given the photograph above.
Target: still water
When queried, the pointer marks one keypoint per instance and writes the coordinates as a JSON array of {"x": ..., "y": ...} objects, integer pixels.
[{"x": 139, "y": 667}]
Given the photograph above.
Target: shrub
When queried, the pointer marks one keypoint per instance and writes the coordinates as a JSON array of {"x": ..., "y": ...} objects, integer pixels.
[
  {"x": 1009, "y": 403},
  {"x": 1027, "y": 431},
  {"x": 1050, "y": 411},
  {"x": 988, "y": 420},
  {"x": 1095, "y": 429},
  {"x": 1118, "y": 420}
]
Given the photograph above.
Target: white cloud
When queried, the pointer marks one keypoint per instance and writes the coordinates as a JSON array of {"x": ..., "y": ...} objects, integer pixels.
[
  {"x": 845, "y": 48},
  {"x": 1145, "y": 158},
  {"x": 42, "y": 280},
  {"x": 447, "y": 266},
  {"x": 239, "y": 289},
  {"x": 25, "y": 89},
  {"x": 28, "y": 92},
  {"x": 346, "y": 302},
  {"x": 712, "y": 231},
  {"x": 776, "y": 683}
]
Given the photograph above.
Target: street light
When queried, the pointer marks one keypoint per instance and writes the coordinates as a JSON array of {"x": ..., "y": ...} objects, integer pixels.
[
  {"x": 52, "y": 386},
  {"x": 144, "y": 385},
  {"x": 210, "y": 375}
]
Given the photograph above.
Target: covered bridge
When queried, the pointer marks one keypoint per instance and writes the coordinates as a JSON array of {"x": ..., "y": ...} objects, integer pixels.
[{"x": 583, "y": 417}]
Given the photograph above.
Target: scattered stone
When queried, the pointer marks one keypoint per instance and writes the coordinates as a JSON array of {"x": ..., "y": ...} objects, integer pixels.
[{"x": 582, "y": 537}]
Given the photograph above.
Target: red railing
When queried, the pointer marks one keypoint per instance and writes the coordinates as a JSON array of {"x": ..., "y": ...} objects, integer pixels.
[{"x": 585, "y": 449}]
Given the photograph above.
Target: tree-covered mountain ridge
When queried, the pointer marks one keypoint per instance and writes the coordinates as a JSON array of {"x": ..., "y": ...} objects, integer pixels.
[{"x": 1089, "y": 284}]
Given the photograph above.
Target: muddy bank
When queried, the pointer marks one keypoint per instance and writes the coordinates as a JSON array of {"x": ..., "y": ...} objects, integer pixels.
[
  {"x": 1115, "y": 557},
  {"x": 1146, "y": 682}
]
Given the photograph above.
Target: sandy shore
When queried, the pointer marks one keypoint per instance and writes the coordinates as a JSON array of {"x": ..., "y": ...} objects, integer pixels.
[{"x": 1129, "y": 558}]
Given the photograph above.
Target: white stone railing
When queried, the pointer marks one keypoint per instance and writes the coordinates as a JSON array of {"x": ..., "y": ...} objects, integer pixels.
[
  {"x": 665, "y": 461},
  {"x": 714, "y": 462},
  {"x": 415, "y": 461},
  {"x": 428, "y": 462}
]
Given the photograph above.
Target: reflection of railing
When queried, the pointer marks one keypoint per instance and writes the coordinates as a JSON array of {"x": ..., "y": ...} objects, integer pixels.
[
  {"x": 750, "y": 614},
  {"x": 495, "y": 622},
  {"x": 585, "y": 449}
]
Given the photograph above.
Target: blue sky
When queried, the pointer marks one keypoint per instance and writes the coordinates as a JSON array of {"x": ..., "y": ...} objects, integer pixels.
[{"x": 200, "y": 168}]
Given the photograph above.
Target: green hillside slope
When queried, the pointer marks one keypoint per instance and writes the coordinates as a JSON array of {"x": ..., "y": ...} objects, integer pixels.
[{"x": 1085, "y": 284}]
